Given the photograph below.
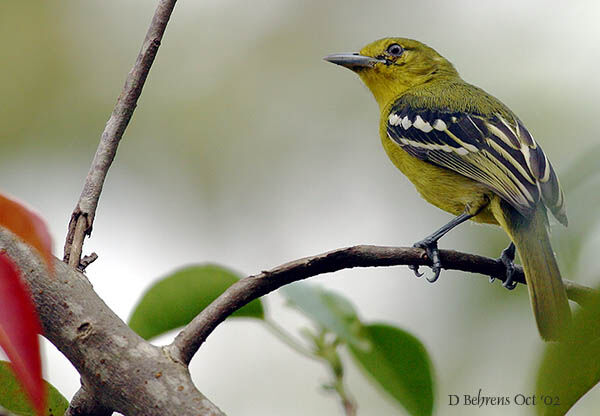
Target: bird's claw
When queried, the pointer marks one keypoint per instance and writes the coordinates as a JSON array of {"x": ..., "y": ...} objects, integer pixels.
[
  {"x": 431, "y": 247},
  {"x": 415, "y": 270},
  {"x": 507, "y": 258},
  {"x": 509, "y": 283}
]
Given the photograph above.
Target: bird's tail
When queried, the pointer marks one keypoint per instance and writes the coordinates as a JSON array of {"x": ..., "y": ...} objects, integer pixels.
[{"x": 546, "y": 290}]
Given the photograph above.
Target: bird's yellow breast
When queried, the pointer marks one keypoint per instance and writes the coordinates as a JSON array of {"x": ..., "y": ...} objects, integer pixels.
[{"x": 441, "y": 187}]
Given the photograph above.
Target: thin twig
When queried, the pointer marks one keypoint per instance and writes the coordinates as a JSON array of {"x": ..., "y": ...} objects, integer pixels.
[
  {"x": 337, "y": 386},
  {"x": 87, "y": 260},
  {"x": 244, "y": 291},
  {"x": 349, "y": 406},
  {"x": 348, "y": 403},
  {"x": 82, "y": 217}
]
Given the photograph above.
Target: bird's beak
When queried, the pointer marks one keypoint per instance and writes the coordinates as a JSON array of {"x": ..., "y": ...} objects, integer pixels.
[{"x": 353, "y": 61}]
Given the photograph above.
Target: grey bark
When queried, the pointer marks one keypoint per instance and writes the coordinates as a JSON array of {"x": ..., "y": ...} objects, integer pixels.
[{"x": 120, "y": 370}]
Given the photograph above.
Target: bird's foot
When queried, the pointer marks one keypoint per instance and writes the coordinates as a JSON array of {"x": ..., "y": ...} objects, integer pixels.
[
  {"x": 431, "y": 247},
  {"x": 507, "y": 258}
]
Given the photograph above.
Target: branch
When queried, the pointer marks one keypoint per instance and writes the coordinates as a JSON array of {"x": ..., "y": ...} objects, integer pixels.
[
  {"x": 120, "y": 370},
  {"x": 189, "y": 340},
  {"x": 84, "y": 403},
  {"x": 82, "y": 217}
]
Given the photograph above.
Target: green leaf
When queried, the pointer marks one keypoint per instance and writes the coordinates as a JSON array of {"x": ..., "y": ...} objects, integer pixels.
[
  {"x": 14, "y": 400},
  {"x": 328, "y": 309},
  {"x": 175, "y": 300},
  {"x": 571, "y": 368},
  {"x": 399, "y": 364}
]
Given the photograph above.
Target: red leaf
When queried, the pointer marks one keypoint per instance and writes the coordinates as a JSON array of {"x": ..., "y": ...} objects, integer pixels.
[
  {"x": 28, "y": 226},
  {"x": 19, "y": 329}
]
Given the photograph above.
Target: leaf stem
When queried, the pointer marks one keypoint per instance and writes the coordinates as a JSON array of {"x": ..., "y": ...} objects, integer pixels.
[{"x": 289, "y": 340}]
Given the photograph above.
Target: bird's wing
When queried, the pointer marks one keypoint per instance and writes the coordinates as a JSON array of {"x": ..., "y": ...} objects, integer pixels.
[{"x": 495, "y": 151}]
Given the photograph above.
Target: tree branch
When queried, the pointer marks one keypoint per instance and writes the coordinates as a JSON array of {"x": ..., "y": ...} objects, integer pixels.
[
  {"x": 120, "y": 370},
  {"x": 189, "y": 340},
  {"x": 82, "y": 217},
  {"x": 84, "y": 403}
]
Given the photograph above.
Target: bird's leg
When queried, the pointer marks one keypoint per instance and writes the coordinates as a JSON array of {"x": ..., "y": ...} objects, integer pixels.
[
  {"x": 430, "y": 244},
  {"x": 507, "y": 258}
]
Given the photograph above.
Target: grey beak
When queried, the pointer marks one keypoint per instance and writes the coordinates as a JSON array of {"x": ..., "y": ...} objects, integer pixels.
[{"x": 353, "y": 60}]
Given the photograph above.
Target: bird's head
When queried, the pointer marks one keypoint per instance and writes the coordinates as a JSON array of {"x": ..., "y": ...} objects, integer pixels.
[{"x": 390, "y": 66}]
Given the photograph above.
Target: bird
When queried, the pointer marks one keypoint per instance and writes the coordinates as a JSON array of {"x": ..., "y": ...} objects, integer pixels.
[{"x": 468, "y": 154}]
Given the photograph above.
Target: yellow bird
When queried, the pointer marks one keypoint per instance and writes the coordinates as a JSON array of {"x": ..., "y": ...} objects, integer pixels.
[{"x": 468, "y": 154}]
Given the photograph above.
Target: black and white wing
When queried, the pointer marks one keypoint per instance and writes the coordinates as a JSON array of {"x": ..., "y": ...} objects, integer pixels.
[{"x": 496, "y": 151}]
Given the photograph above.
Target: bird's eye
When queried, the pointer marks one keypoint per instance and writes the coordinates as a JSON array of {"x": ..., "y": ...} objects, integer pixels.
[{"x": 395, "y": 50}]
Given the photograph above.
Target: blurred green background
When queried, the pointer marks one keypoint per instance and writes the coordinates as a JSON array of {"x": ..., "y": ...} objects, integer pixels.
[{"x": 248, "y": 150}]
